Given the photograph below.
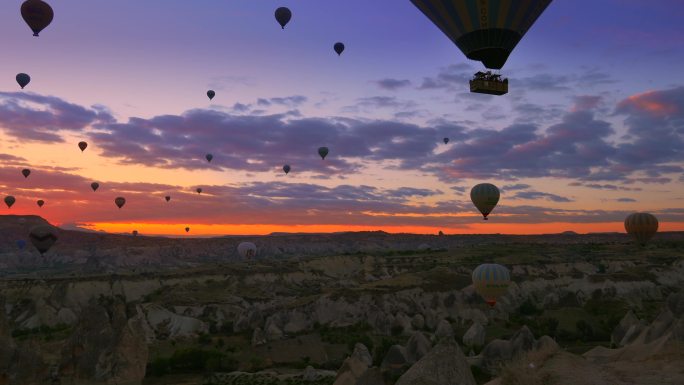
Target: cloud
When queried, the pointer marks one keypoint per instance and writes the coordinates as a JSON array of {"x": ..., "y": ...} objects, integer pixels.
[
  {"x": 537, "y": 195},
  {"x": 514, "y": 187},
  {"x": 625, "y": 200},
  {"x": 33, "y": 117},
  {"x": 392, "y": 84},
  {"x": 289, "y": 101},
  {"x": 69, "y": 200},
  {"x": 578, "y": 145},
  {"x": 453, "y": 77}
]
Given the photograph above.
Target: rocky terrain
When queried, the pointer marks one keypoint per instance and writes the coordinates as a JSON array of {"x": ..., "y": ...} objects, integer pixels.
[{"x": 345, "y": 309}]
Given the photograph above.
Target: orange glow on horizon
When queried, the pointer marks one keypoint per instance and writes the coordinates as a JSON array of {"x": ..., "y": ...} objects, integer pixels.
[{"x": 489, "y": 227}]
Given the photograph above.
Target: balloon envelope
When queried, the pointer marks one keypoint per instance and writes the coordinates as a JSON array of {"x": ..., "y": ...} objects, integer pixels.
[
  {"x": 211, "y": 94},
  {"x": 43, "y": 237},
  {"x": 82, "y": 146},
  {"x": 641, "y": 226},
  {"x": 23, "y": 80},
  {"x": 485, "y": 196},
  {"x": 187, "y": 229},
  {"x": 283, "y": 16},
  {"x": 94, "y": 186},
  {"x": 26, "y": 172},
  {"x": 286, "y": 168},
  {"x": 247, "y": 250},
  {"x": 120, "y": 201},
  {"x": 9, "y": 201},
  {"x": 37, "y": 14},
  {"x": 491, "y": 281},
  {"x": 209, "y": 157},
  {"x": 40, "y": 202},
  {"x": 446, "y": 140},
  {"x": 168, "y": 198},
  {"x": 323, "y": 152},
  {"x": 199, "y": 190},
  {"x": 339, "y": 48},
  {"x": 484, "y": 30}
]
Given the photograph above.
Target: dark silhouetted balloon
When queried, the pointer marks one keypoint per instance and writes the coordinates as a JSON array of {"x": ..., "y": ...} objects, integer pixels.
[
  {"x": 26, "y": 172},
  {"x": 23, "y": 80},
  {"x": 199, "y": 190},
  {"x": 446, "y": 140},
  {"x": 323, "y": 152},
  {"x": 120, "y": 201},
  {"x": 37, "y": 14},
  {"x": 209, "y": 157},
  {"x": 247, "y": 250},
  {"x": 168, "y": 198},
  {"x": 9, "y": 201},
  {"x": 283, "y": 16},
  {"x": 641, "y": 226},
  {"x": 43, "y": 237},
  {"x": 486, "y": 31},
  {"x": 187, "y": 229},
  {"x": 485, "y": 196},
  {"x": 94, "y": 186},
  {"x": 339, "y": 48},
  {"x": 21, "y": 244},
  {"x": 82, "y": 145},
  {"x": 40, "y": 202},
  {"x": 286, "y": 168},
  {"x": 211, "y": 94}
]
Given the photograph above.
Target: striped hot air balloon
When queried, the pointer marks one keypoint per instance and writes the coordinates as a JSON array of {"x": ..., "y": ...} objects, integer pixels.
[
  {"x": 485, "y": 196},
  {"x": 641, "y": 226},
  {"x": 491, "y": 281},
  {"x": 484, "y": 30}
]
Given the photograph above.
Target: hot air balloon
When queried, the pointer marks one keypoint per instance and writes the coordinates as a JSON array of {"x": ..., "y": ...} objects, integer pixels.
[
  {"x": 339, "y": 48},
  {"x": 120, "y": 201},
  {"x": 37, "y": 14},
  {"x": 168, "y": 198},
  {"x": 187, "y": 229},
  {"x": 446, "y": 140},
  {"x": 9, "y": 201},
  {"x": 135, "y": 233},
  {"x": 247, "y": 250},
  {"x": 199, "y": 190},
  {"x": 26, "y": 172},
  {"x": 43, "y": 237},
  {"x": 209, "y": 157},
  {"x": 485, "y": 196},
  {"x": 94, "y": 186},
  {"x": 82, "y": 145},
  {"x": 283, "y": 16},
  {"x": 21, "y": 244},
  {"x": 211, "y": 94},
  {"x": 286, "y": 168},
  {"x": 40, "y": 202},
  {"x": 641, "y": 226},
  {"x": 484, "y": 30},
  {"x": 23, "y": 80},
  {"x": 491, "y": 281},
  {"x": 323, "y": 152}
]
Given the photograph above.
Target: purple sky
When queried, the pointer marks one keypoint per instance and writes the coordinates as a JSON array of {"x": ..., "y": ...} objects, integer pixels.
[{"x": 593, "y": 120}]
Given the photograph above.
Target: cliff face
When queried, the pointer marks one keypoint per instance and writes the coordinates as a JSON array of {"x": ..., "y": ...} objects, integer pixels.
[
  {"x": 108, "y": 345},
  {"x": 18, "y": 365}
]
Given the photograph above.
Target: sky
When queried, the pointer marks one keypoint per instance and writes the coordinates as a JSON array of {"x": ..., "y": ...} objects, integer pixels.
[{"x": 592, "y": 128}]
